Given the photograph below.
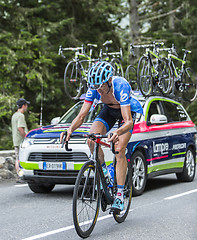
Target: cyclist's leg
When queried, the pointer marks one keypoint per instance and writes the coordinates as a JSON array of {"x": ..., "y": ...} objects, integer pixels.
[
  {"x": 121, "y": 171},
  {"x": 102, "y": 124},
  {"x": 121, "y": 164},
  {"x": 97, "y": 127}
]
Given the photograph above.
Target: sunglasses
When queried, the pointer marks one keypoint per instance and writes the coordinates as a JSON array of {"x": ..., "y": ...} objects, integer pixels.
[{"x": 95, "y": 87}]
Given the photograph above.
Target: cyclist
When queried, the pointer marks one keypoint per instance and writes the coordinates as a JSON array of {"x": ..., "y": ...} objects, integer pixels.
[{"x": 115, "y": 93}]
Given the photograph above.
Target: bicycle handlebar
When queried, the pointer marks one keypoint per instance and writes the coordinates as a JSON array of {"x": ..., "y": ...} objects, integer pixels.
[
  {"x": 92, "y": 136},
  {"x": 92, "y": 45},
  {"x": 108, "y": 42}
]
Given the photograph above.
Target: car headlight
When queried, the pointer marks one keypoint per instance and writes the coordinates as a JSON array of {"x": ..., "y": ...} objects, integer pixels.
[{"x": 27, "y": 142}]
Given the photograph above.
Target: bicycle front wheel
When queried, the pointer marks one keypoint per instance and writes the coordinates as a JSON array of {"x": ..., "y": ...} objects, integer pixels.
[
  {"x": 166, "y": 76},
  {"x": 72, "y": 80},
  {"x": 127, "y": 196},
  {"x": 131, "y": 77},
  {"x": 118, "y": 69},
  {"x": 86, "y": 199},
  {"x": 144, "y": 76},
  {"x": 189, "y": 82}
]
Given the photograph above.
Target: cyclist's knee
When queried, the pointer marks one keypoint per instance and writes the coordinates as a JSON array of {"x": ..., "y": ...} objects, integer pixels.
[{"x": 121, "y": 150}]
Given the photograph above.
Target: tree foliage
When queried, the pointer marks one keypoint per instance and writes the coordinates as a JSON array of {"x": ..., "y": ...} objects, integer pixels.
[{"x": 30, "y": 34}]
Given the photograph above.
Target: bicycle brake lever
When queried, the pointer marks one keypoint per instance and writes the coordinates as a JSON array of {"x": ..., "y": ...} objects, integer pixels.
[{"x": 65, "y": 142}]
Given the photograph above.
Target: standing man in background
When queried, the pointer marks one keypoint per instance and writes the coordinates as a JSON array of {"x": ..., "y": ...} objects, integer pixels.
[{"x": 19, "y": 127}]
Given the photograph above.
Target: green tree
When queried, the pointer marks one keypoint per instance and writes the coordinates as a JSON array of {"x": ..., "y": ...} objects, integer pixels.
[{"x": 30, "y": 34}]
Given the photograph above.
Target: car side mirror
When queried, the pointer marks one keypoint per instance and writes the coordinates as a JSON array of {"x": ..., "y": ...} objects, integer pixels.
[
  {"x": 55, "y": 120},
  {"x": 158, "y": 119}
]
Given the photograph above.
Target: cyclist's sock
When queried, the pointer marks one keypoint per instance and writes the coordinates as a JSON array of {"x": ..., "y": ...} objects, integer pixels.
[
  {"x": 120, "y": 192},
  {"x": 103, "y": 165}
]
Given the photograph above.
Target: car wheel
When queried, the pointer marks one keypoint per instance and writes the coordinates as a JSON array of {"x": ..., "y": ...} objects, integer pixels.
[
  {"x": 189, "y": 168},
  {"x": 139, "y": 169},
  {"x": 41, "y": 187}
]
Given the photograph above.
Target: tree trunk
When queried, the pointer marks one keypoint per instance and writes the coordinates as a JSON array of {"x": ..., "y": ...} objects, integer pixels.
[{"x": 171, "y": 16}]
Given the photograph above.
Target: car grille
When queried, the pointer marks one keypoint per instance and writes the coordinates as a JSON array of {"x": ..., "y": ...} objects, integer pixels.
[
  {"x": 64, "y": 173},
  {"x": 58, "y": 157}
]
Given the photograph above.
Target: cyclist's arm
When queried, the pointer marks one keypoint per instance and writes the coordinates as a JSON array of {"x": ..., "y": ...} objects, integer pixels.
[
  {"x": 77, "y": 122},
  {"x": 127, "y": 126}
]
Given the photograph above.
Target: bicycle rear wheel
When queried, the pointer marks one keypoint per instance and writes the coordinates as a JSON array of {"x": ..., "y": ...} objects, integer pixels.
[
  {"x": 72, "y": 80},
  {"x": 166, "y": 76},
  {"x": 189, "y": 82},
  {"x": 118, "y": 70},
  {"x": 144, "y": 76},
  {"x": 131, "y": 77},
  {"x": 86, "y": 199},
  {"x": 127, "y": 196}
]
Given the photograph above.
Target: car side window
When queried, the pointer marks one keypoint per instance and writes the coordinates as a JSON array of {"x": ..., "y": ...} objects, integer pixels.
[
  {"x": 182, "y": 114},
  {"x": 153, "y": 109},
  {"x": 173, "y": 112}
]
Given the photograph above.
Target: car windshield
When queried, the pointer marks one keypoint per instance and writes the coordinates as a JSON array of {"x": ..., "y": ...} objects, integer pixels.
[{"x": 72, "y": 113}]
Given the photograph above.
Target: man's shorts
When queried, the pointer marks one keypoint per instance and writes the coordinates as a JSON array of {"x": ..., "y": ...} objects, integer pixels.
[{"x": 108, "y": 116}]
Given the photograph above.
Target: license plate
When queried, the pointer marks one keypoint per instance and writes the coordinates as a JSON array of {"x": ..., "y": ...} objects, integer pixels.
[{"x": 54, "y": 166}]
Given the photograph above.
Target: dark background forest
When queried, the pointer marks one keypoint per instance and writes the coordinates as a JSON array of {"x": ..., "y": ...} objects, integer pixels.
[{"x": 32, "y": 30}]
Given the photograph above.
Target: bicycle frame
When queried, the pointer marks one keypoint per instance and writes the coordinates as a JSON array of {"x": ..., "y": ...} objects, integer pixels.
[
  {"x": 170, "y": 57},
  {"x": 95, "y": 159}
]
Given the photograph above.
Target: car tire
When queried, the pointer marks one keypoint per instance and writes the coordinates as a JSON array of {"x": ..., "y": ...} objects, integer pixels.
[
  {"x": 189, "y": 168},
  {"x": 139, "y": 172},
  {"x": 41, "y": 187}
]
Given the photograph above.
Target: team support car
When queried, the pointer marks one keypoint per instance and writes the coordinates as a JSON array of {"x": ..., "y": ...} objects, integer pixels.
[{"x": 163, "y": 141}]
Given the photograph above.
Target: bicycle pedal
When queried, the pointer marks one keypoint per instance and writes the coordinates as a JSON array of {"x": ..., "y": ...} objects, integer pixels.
[{"x": 114, "y": 211}]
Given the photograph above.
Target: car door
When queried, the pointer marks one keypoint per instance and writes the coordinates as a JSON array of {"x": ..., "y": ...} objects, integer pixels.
[
  {"x": 178, "y": 136},
  {"x": 158, "y": 139}
]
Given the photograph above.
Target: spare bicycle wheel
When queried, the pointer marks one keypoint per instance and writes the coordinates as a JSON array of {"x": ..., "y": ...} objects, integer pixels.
[
  {"x": 189, "y": 85},
  {"x": 144, "y": 76},
  {"x": 72, "y": 80},
  {"x": 131, "y": 77}
]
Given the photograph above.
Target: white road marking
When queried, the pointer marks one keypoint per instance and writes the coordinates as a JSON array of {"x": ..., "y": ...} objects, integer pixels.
[
  {"x": 64, "y": 229},
  {"x": 100, "y": 218},
  {"x": 180, "y": 195}
]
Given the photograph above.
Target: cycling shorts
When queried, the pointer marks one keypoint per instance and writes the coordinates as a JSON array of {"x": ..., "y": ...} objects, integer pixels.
[{"x": 108, "y": 116}]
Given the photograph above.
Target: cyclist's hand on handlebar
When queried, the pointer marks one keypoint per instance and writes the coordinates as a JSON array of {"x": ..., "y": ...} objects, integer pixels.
[
  {"x": 68, "y": 134},
  {"x": 113, "y": 137},
  {"x": 61, "y": 137}
]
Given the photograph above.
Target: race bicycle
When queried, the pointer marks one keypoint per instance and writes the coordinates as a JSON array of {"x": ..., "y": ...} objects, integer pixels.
[
  {"x": 92, "y": 189},
  {"x": 75, "y": 74},
  {"x": 153, "y": 72},
  {"x": 184, "y": 79},
  {"x": 114, "y": 58}
]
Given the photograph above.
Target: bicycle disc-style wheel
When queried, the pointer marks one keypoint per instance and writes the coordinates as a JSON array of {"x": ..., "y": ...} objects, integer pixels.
[
  {"x": 86, "y": 199},
  {"x": 166, "y": 77},
  {"x": 131, "y": 77},
  {"x": 189, "y": 83},
  {"x": 144, "y": 76},
  {"x": 118, "y": 69},
  {"x": 72, "y": 80},
  {"x": 127, "y": 196}
]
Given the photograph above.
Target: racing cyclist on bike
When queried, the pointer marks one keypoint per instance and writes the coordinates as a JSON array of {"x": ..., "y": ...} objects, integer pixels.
[{"x": 115, "y": 93}]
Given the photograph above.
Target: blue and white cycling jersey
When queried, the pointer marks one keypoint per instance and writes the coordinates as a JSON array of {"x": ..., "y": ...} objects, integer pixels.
[{"x": 122, "y": 92}]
